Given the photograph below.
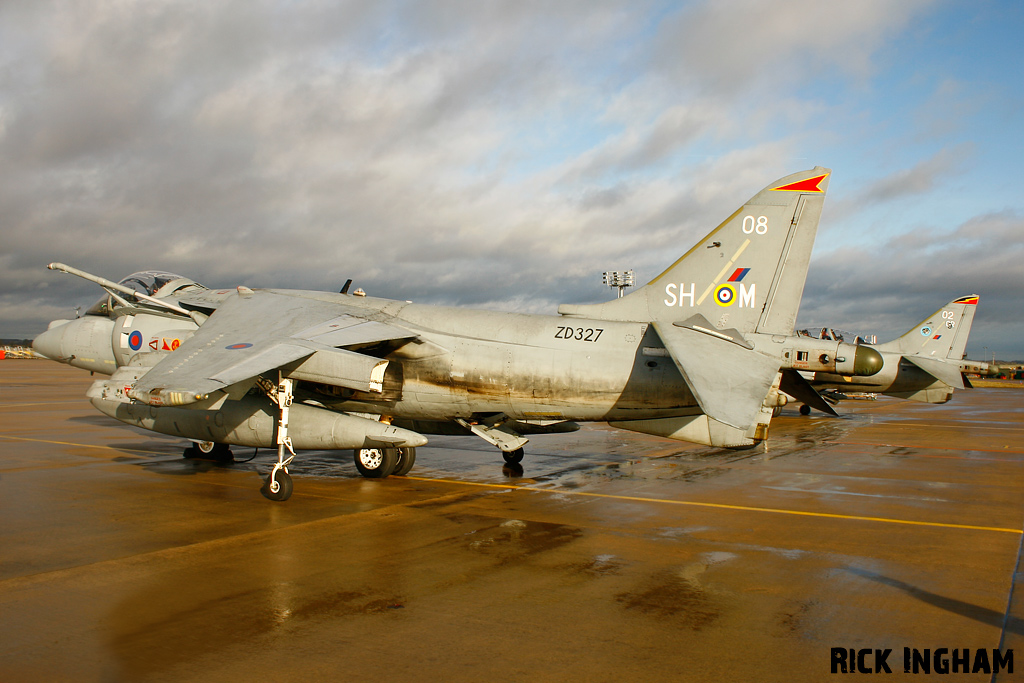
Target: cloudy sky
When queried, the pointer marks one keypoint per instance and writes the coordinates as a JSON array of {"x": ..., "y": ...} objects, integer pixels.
[{"x": 504, "y": 154}]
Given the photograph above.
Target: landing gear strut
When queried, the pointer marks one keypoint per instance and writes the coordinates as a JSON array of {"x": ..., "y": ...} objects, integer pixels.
[{"x": 278, "y": 484}]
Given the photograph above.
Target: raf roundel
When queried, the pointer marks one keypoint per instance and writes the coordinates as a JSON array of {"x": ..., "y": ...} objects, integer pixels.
[
  {"x": 725, "y": 295},
  {"x": 236, "y": 347},
  {"x": 135, "y": 340}
]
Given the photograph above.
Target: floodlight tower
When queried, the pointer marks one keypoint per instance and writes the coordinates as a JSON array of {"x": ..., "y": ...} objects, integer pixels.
[{"x": 620, "y": 279}]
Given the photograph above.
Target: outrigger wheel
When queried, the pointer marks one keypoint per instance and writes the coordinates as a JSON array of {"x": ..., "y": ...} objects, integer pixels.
[
  {"x": 513, "y": 457},
  {"x": 208, "y": 450}
]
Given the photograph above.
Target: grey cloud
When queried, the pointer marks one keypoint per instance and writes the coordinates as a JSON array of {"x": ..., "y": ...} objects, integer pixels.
[
  {"x": 923, "y": 177},
  {"x": 725, "y": 45},
  {"x": 436, "y": 151},
  {"x": 888, "y": 289}
]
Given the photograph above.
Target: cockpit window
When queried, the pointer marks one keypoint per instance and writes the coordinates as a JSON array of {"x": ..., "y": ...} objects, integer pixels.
[{"x": 149, "y": 282}]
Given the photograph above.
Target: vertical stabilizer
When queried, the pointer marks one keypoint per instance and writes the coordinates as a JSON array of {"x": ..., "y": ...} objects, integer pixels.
[
  {"x": 746, "y": 275},
  {"x": 941, "y": 335}
]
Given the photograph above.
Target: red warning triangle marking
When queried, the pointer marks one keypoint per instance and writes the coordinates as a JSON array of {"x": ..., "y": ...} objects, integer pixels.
[{"x": 808, "y": 185}]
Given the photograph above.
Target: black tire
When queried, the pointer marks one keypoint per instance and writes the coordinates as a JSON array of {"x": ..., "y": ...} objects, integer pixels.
[
  {"x": 375, "y": 463},
  {"x": 513, "y": 457},
  {"x": 221, "y": 453},
  {"x": 284, "y": 487},
  {"x": 406, "y": 459},
  {"x": 218, "y": 452},
  {"x": 805, "y": 409}
]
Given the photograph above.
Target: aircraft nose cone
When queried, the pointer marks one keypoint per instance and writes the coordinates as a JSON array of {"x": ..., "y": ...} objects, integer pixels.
[
  {"x": 866, "y": 361},
  {"x": 49, "y": 343}
]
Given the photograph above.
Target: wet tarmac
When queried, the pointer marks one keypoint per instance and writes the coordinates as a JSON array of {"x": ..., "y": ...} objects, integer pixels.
[{"x": 611, "y": 556}]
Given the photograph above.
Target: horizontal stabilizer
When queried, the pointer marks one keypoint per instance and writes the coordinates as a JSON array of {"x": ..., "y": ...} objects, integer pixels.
[
  {"x": 729, "y": 381},
  {"x": 939, "y": 369},
  {"x": 692, "y": 428},
  {"x": 794, "y": 384}
]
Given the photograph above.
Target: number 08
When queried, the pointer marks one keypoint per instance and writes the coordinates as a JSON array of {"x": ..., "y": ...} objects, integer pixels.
[{"x": 760, "y": 225}]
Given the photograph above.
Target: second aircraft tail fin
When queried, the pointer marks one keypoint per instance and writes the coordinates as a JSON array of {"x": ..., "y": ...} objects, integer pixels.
[{"x": 942, "y": 335}]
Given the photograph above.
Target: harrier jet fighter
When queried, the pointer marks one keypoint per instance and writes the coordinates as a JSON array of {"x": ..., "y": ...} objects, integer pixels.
[
  {"x": 696, "y": 355},
  {"x": 922, "y": 365}
]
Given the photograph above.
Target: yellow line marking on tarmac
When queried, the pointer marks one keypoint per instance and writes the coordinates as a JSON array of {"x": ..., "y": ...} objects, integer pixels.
[
  {"x": 936, "y": 448},
  {"x": 724, "y": 506},
  {"x": 610, "y": 496},
  {"x": 80, "y": 445},
  {"x": 947, "y": 425}
]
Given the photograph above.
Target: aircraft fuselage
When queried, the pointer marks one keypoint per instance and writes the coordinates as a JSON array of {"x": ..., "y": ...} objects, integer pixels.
[{"x": 529, "y": 367}]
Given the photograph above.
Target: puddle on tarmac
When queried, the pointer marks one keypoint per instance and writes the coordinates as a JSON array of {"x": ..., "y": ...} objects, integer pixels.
[
  {"x": 669, "y": 594},
  {"x": 599, "y": 565},
  {"x": 515, "y": 539}
]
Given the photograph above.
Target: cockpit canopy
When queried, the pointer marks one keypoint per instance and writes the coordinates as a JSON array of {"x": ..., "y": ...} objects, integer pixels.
[
  {"x": 833, "y": 334},
  {"x": 155, "y": 283}
]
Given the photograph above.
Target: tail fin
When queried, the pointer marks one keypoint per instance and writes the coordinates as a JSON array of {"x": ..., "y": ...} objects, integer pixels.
[
  {"x": 937, "y": 343},
  {"x": 941, "y": 335},
  {"x": 746, "y": 275}
]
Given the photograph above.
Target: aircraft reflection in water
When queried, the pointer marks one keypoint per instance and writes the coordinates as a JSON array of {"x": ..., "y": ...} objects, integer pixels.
[{"x": 704, "y": 353}]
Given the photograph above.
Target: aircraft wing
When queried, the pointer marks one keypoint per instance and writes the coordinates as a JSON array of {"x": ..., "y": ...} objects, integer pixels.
[
  {"x": 253, "y": 332},
  {"x": 728, "y": 378}
]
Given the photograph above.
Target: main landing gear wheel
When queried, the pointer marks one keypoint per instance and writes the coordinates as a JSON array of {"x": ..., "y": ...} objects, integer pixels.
[
  {"x": 376, "y": 463},
  {"x": 513, "y": 457},
  {"x": 805, "y": 409},
  {"x": 406, "y": 459},
  {"x": 277, "y": 486}
]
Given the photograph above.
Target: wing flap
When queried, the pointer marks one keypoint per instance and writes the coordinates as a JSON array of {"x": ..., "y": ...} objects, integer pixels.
[{"x": 729, "y": 381}]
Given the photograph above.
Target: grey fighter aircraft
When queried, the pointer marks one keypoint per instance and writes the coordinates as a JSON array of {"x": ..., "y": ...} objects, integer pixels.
[
  {"x": 702, "y": 353},
  {"x": 922, "y": 365}
]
